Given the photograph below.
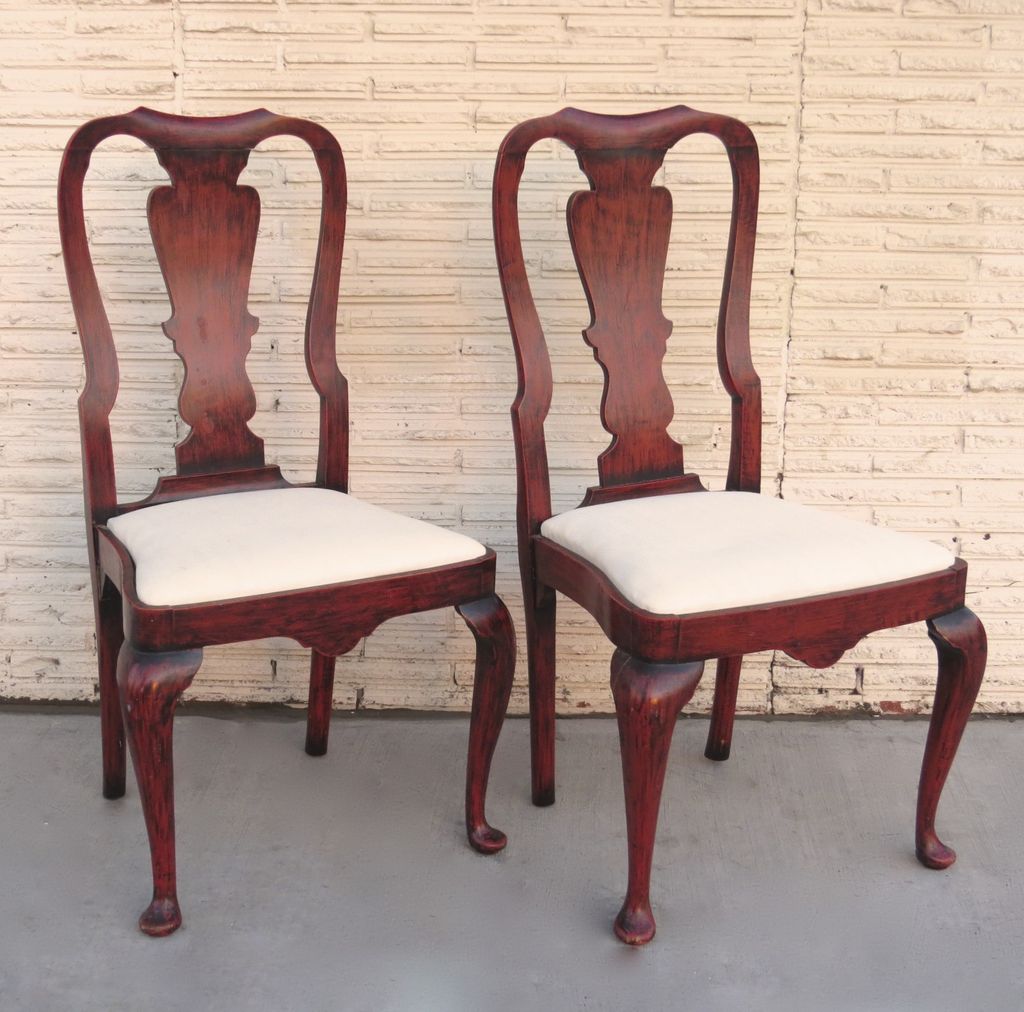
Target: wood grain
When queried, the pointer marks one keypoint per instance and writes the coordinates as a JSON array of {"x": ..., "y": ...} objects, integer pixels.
[
  {"x": 204, "y": 228},
  {"x": 491, "y": 625},
  {"x": 648, "y": 698},
  {"x": 151, "y": 685},
  {"x": 962, "y": 646},
  {"x": 619, "y": 231},
  {"x": 204, "y": 231},
  {"x": 623, "y": 220}
]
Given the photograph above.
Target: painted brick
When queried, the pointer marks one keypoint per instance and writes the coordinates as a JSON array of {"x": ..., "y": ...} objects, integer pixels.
[
  {"x": 887, "y": 296},
  {"x": 923, "y": 360}
]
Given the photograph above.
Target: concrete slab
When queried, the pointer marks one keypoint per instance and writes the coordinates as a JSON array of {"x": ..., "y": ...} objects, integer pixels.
[{"x": 785, "y": 878}]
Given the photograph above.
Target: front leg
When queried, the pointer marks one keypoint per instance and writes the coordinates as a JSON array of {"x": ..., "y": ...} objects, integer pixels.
[
  {"x": 150, "y": 685},
  {"x": 495, "y": 636},
  {"x": 648, "y": 698},
  {"x": 960, "y": 640}
]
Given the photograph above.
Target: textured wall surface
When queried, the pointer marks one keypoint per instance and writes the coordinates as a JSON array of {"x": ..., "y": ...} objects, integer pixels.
[{"x": 888, "y": 293}]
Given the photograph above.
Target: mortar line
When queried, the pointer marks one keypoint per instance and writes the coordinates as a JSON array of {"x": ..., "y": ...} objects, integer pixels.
[
  {"x": 783, "y": 407},
  {"x": 178, "y": 56}
]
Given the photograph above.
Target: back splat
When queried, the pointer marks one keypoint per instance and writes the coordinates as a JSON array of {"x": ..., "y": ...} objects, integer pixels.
[
  {"x": 619, "y": 232},
  {"x": 204, "y": 230}
]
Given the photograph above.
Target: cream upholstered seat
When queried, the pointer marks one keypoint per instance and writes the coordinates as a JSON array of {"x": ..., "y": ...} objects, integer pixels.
[
  {"x": 245, "y": 543},
  {"x": 706, "y": 551}
]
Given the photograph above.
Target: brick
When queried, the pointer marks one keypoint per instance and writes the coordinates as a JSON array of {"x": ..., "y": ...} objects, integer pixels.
[
  {"x": 566, "y": 55},
  {"x": 737, "y": 8},
  {"x": 961, "y": 61},
  {"x": 970, "y": 7},
  {"x": 944, "y": 149},
  {"x": 970, "y": 180},
  {"x": 962, "y": 239},
  {"x": 119, "y": 23},
  {"x": 1002, "y": 149},
  {"x": 827, "y": 31},
  {"x": 960, "y": 120},
  {"x": 889, "y": 356},
  {"x": 529, "y": 27},
  {"x": 891, "y": 89},
  {"x": 859, "y": 120}
]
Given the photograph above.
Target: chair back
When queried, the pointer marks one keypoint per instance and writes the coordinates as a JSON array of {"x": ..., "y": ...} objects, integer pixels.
[
  {"x": 619, "y": 231},
  {"x": 203, "y": 228}
]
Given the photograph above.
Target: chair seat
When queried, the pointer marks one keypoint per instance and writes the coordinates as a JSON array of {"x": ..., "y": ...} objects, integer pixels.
[
  {"x": 246, "y": 543},
  {"x": 707, "y": 551}
]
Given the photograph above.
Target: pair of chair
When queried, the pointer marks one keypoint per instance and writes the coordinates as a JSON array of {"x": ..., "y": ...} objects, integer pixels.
[{"x": 227, "y": 550}]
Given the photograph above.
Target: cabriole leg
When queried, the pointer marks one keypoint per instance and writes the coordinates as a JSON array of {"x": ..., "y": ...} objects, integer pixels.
[
  {"x": 321, "y": 695},
  {"x": 723, "y": 712},
  {"x": 109, "y": 637},
  {"x": 150, "y": 686},
  {"x": 495, "y": 637},
  {"x": 960, "y": 640},
  {"x": 540, "y": 652},
  {"x": 648, "y": 698}
]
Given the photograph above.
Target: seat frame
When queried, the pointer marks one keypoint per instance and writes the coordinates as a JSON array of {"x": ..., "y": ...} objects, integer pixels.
[
  {"x": 204, "y": 230},
  {"x": 659, "y": 659}
]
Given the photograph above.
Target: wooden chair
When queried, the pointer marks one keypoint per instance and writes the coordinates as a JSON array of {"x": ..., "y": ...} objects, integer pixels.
[
  {"x": 675, "y": 574},
  {"x": 226, "y": 549}
]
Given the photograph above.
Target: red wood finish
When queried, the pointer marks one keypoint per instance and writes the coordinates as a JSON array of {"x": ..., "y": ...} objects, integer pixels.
[
  {"x": 109, "y": 637},
  {"x": 321, "y": 691},
  {"x": 814, "y": 629},
  {"x": 151, "y": 685},
  {"x": 619, "y": 231},
  {"x": 648, "y": 698},
  {"x": 723, "y": 711},
  {"x": 960, "y": 641},
  {"x": 331, "y": 619},
  {"x": 628, "y": 330},
  {"x": 491, "y": 624},
  {"x": 204, "y": 230},
  {"x": 540, "y": 646}
]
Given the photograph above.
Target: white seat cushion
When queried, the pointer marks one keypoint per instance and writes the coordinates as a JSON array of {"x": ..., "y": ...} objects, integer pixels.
[
  {"x": 704, "y": 551},
  {"x": 245, "y": 543}
]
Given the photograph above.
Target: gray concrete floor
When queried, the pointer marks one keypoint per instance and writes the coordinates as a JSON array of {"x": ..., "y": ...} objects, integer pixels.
[{"x": 784, "y": 878}]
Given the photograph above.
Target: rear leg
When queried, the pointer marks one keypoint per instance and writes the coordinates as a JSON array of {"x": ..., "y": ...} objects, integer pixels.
[
  {"x": 723, "y": 712},
  {"x": 540, "y": 652},
  {"x": 109, "y": 637},
  {"x": 321, "y": 694}
]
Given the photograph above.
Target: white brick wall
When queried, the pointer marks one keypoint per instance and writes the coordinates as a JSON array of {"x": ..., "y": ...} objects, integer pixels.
[
  {"x": 887, "y": 300},
  {"x": 904, "y": 365}
]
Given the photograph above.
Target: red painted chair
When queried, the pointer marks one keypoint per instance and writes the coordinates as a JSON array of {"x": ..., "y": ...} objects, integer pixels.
[
  {"x": 675, "y": 574},
  {"x": 226, "y": 549}
]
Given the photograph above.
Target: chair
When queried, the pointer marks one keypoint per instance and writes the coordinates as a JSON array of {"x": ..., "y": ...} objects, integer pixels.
[
  {"x": 675, "y": 574},
  {"x": 226, "y": 549}
]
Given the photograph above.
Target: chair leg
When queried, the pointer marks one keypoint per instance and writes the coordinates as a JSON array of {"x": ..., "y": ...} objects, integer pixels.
[
  {"x": 321, "y": 695},
  {"x": 723, "y": 712},
  {"x": 495, "y": 637},
  {"x": 109, "y": 637},
  {"x": 150, "y": 686},
  {"x": 648, "y": 698},
  {"x": 540, "y": 651},
  {"x": 960, "y": 640}
]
